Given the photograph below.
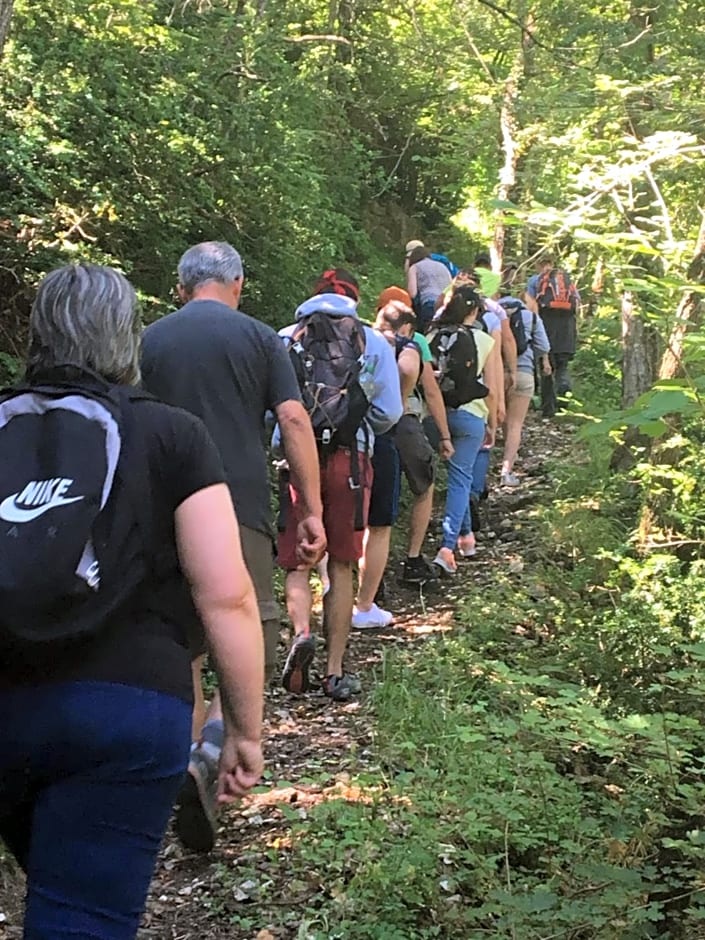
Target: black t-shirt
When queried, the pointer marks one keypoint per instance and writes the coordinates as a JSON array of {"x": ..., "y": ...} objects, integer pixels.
[
  {"x": 229, "y": 370},
  {"x": 145, "y": 644}
]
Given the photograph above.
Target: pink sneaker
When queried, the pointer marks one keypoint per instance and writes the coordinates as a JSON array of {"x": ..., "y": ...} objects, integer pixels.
[{"x": 466, "y": 546}]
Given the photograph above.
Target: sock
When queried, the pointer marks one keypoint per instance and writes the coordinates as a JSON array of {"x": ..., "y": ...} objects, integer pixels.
[{"x": 212, "y": 736}]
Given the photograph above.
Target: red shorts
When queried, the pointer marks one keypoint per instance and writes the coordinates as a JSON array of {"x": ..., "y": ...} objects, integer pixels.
[{"x": 340, "y": 503}]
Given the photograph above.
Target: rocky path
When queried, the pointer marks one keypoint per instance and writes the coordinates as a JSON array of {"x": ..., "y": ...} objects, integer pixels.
[{"x": 314, "y": 748}]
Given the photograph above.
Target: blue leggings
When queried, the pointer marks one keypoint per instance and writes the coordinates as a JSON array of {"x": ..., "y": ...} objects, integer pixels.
[{"x": 88, "y": 775}]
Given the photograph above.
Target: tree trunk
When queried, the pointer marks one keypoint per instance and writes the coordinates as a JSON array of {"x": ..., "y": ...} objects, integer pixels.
[
  {"x": 508, "y": 127},
  {"x": 639, "y": 353},
  {"x": 689, "y": 313},
  {"x": 5, "y": 18}
]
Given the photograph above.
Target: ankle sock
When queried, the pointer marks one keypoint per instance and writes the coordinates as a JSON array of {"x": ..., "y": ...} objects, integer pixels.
[{"x": 212, "y": 737}]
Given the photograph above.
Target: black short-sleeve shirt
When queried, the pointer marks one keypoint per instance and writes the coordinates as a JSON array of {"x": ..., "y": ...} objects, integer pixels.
[
  {"x": 228, "y": 369},
  {"x": 147, "y": 647}
]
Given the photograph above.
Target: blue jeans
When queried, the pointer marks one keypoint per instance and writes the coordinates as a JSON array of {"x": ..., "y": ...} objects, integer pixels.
[
  {"x": 479, "y": 474},
  {"x": 88, "y": 775},
  {"x": 467, "y": 432}
]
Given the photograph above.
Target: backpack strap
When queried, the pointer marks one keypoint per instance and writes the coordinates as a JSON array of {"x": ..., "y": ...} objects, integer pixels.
[{"x": 136, "y": 476}]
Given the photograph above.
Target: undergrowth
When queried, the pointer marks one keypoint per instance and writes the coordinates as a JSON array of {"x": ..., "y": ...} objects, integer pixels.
[{"x": 542, "y": 766}]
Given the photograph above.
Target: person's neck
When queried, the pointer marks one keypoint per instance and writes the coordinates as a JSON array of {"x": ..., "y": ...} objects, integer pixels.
[{"x": 217, "y": 292}]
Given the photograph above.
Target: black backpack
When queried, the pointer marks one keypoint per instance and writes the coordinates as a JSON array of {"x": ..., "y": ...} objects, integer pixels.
[
  {"x": 327, "y": 353},
  {"x": 515, "y": 313},
  {"x": 455, "y": 358},
  {"x": 76, "y": 532}
]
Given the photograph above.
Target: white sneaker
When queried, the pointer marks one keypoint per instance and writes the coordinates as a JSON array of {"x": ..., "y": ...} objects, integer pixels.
[
  {"x": 371, "y": 619},
  {"x": 510, "y": 479}
]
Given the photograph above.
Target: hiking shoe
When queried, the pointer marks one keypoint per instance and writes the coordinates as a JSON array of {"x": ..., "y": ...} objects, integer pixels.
[
  {"x": 371, "y": 619},
  {"x": 466, "y": 545},
  {"x": 445, "y": 560},
  {"x": 195, "y": 819},
  {"x": 295, "y": 674},
  {"x": 341, "y": 688},
  {"x": 510, "y": 479},
  {"x": 418, "y": 571}
]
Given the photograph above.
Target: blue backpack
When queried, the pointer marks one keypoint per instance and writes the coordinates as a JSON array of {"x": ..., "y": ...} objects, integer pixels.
[{"x": 446, "y": 262}]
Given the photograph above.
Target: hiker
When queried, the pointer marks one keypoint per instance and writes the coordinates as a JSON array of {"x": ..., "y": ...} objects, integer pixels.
[
  {"x": 532, "y": 342},
  {"x": 493, "y": 321},
  {"x": 426, "y": 279},
  {"x": 350, "y": 386},
  {"x": 95, "y": 675},
  {"x": 406, "y": 448},
  {"x": 552, "y": 294},
  {"x": 494, "y": 317},
  {"x": 461, "y": 354},
  {"x": 229, "y": 370},
  {"x": 415, "y": 451}
]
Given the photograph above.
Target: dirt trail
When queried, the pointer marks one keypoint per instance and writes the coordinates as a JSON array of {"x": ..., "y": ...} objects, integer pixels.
[{"x": 314, "y": 747}]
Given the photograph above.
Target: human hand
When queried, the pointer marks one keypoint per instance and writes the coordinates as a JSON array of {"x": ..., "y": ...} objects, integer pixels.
[
  {"x": 489, "y": 437},
  {"x": 445, "y": 448},
  {"x": 240, "y": 768},
  {"x": 510, "y": 381},
  {"x": 547, "y": 370},
  {"x": 310, "y": 542}
]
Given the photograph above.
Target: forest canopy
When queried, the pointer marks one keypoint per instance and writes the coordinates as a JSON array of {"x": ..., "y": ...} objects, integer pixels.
[{"x": 308, "y": 133}]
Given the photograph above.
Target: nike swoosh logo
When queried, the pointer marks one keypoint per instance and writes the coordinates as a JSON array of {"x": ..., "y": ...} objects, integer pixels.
[{"x": 10, "y": 512}]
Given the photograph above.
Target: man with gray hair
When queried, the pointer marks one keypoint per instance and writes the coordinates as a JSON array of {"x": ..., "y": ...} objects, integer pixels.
[{"x": 230, "y": 370}]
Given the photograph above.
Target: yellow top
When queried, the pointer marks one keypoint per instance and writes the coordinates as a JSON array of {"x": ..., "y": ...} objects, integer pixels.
[{"x": 484, "y": 343}]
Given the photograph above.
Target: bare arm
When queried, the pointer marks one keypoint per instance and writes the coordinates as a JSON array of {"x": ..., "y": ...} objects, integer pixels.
[
  {"x": 411, "y": 285},
  {"x": 301, "y": 454},
  {"x": 408, "y": 364},
  {"x": 436, "y": 408},
  {"x": 509, "y": 349},
  {"x": 208, "y": 541},
  {"x": 302, "y": 457},
  {"x": 494, "y": 379},
  {"x": 496, "y": 368}
]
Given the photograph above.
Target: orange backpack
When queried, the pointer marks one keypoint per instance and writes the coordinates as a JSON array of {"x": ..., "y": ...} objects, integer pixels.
[{"x": 556, "y": 292}]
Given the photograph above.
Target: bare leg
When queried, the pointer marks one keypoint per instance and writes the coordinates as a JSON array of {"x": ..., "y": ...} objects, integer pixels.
[
  {"x": 419, "y": 521},
  {"x": 338, "y": 607},
  {"x": 517, "y": 407},
  {"x": 299, "y": 601},
  {"x": 199, "y": 701},
  {"x": 372, "y": 564}
]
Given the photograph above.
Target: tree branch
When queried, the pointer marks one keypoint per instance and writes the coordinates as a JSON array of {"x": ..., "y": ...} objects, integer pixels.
[{"x": 319, "y": 37}]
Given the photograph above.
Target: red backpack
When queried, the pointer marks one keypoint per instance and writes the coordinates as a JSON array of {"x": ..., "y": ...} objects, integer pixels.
[{"x": 556, "y": 292}]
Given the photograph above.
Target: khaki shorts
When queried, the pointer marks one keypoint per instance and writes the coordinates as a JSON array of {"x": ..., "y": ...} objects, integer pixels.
[
  {"x": 524, "y": 386},
  {"x": 258, "y": 552}
]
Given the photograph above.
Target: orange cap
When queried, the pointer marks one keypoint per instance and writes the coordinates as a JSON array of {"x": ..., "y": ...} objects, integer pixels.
[{"x": 393, "y": 293}]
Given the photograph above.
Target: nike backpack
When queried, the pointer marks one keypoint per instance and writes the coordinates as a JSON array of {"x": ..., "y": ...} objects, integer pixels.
[{"x": 68, "y": 514}]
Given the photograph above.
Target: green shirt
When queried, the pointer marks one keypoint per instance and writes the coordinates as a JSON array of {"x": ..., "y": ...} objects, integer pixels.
[{"x": 422, "y": 343}]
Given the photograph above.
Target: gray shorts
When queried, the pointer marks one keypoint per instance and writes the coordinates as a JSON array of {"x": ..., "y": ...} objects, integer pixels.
[{"x": 418, "y": 460}]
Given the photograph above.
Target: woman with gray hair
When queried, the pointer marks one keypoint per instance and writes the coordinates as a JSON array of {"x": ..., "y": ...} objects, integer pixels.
[{"x": 106, "y": 494}]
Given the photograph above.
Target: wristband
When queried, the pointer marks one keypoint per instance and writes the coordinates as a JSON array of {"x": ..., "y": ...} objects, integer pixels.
[{"x": 446, "y": 439}]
